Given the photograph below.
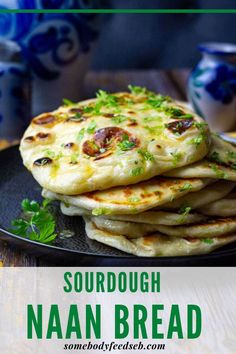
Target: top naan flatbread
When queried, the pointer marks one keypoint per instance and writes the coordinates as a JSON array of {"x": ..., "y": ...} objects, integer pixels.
[{"x": 112, "y": 140}]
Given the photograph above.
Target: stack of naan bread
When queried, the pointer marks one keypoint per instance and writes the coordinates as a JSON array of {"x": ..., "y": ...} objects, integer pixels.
[{"x": 144, "y": 171}]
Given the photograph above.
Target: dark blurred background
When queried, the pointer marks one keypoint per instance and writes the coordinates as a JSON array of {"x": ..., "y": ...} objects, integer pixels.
[{"x": 160, "y": 40}]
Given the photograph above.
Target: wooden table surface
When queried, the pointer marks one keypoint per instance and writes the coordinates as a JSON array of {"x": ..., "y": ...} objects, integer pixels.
[{"x": 171, "y": 82}]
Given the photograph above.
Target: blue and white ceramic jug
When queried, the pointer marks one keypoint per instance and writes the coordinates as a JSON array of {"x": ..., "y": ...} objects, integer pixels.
[
  {"x": 57, "y": 46},
  {"x": 15, "y": 90},
  {"x": 212, "y": 85}
]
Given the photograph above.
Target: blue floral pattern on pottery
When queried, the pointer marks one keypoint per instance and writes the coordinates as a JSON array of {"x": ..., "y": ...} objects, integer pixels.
[
  {"x": 14, "y": 99},
  {"x": 223, "y": 87},
  {"x": 212, "y": 85},
  {"x": 49, "y": 35}
]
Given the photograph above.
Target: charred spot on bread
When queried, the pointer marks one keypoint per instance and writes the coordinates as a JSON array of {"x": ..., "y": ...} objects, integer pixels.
[
  {"x": 69, "y": 145},
  {"x": 180, "y": 126},
  {"x": 29, "y": 139},
  {"x": 43, "y": 161},
  {"x": 105, "y": 139},
  {"x": 46, "y": 119},
  {"x": 43, "y": 136}
]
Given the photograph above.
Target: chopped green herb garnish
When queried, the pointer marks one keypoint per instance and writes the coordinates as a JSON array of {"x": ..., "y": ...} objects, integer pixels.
[
  {"x": 177, "y": 156},
  {"x": 186, "y": 116},
  {"x": 88, "y": 109},
  {"x": 219, "y": 173},
  {"x": 68, "y": 102},
  {"x": 176, "y": 112},
  {"x": 77, "y": 116},
  {"x": 157, "y": 130},
  {"x": 137, "y": 90},
  {"x": 106, "y": 99},
  {"x": 215, "y": 156},
  {"x": 146, "y": 155},
  {"x": 119, "y": 119},
  {"x": 184, "y": 211},
  {"x": 231, "y": 154},
  {"x": 152, "y": 119},
  {"x": 80, "y": 135},
  {"x": 186, "y": 187},
  {"x": 209, "y": 241},
  {"x": 126, "y": 144},
  {"x": 101, "y": 211},
  {"x": 134, "y": 199},
  {"x": 137, "y": 171},
  {"x": 91, "y": 127},
  {"x": 74, "y": 158},
  {"x": 157, "y": 101},
  {"x": 37, "y": 223},
  {"x": 52, "y": 155},
  {"x": 198, "y": 140},
  {"x": 202, "y": 136},
  {"x": 49, "y": 153}
]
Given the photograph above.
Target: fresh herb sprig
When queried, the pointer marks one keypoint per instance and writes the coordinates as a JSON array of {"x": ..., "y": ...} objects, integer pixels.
[
  {"x": 67, "y": 102},
  {"x": 37, "y": 223}
]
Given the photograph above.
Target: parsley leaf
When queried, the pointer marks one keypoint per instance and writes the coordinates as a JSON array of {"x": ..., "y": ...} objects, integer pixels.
[
  {"x": 137, "y": 90},
  {"x": 208, "y": 240},
  {"x": 186, "y": 187},
  {"x": 119, "y": 119},
  {"x": 68, "y": 102},
  {"x": 37, "y": 223},
  {"x": 215, "y": 156},
  {"x": 107, "y": 99},
  {"x": 156, "y": 101},
  {"x": 177, "y": 156},
  {"x": 126, "y": 144},
  {"x": 219, "y": 173},
  {"x": 137, "y": 171},
  {"x": 77, "y": 117},
  {"x": 185, "y": 210},
  {"x": 146, "y": 155},
  {"x": 231, "y": 154},
  {"x": 92, "y": 127},
  {"x": 101, "y": 211},
  {"x": 80, "y": 135},
  {"x": 134, "y": 199}
]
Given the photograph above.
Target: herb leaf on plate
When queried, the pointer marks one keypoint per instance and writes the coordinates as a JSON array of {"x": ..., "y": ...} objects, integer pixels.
[{"x": 37, "y": 223}]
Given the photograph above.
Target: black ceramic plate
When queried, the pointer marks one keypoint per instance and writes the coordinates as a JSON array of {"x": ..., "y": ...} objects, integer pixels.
[{"x": 16, "y": 183}]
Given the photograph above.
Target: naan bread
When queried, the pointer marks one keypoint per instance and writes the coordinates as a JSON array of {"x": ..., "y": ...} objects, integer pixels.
[
  {"x": 225, "y": 207},
  {"x": 156, "y": 245},
  {"x": 132, "y": 199},
  {"x": 211, "y": 228},
  {"x": 219, "y": 163},
  {"x": 126, "y": 228},
  {"x": 207, "y": 195},
  {"x": 204, "y": 169},
  {"x": 208, "y": 229},
  {"x": 147, "y": 217},
  {"x": 112, "y": 140},
  {"x": 222, "y": 151}
]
